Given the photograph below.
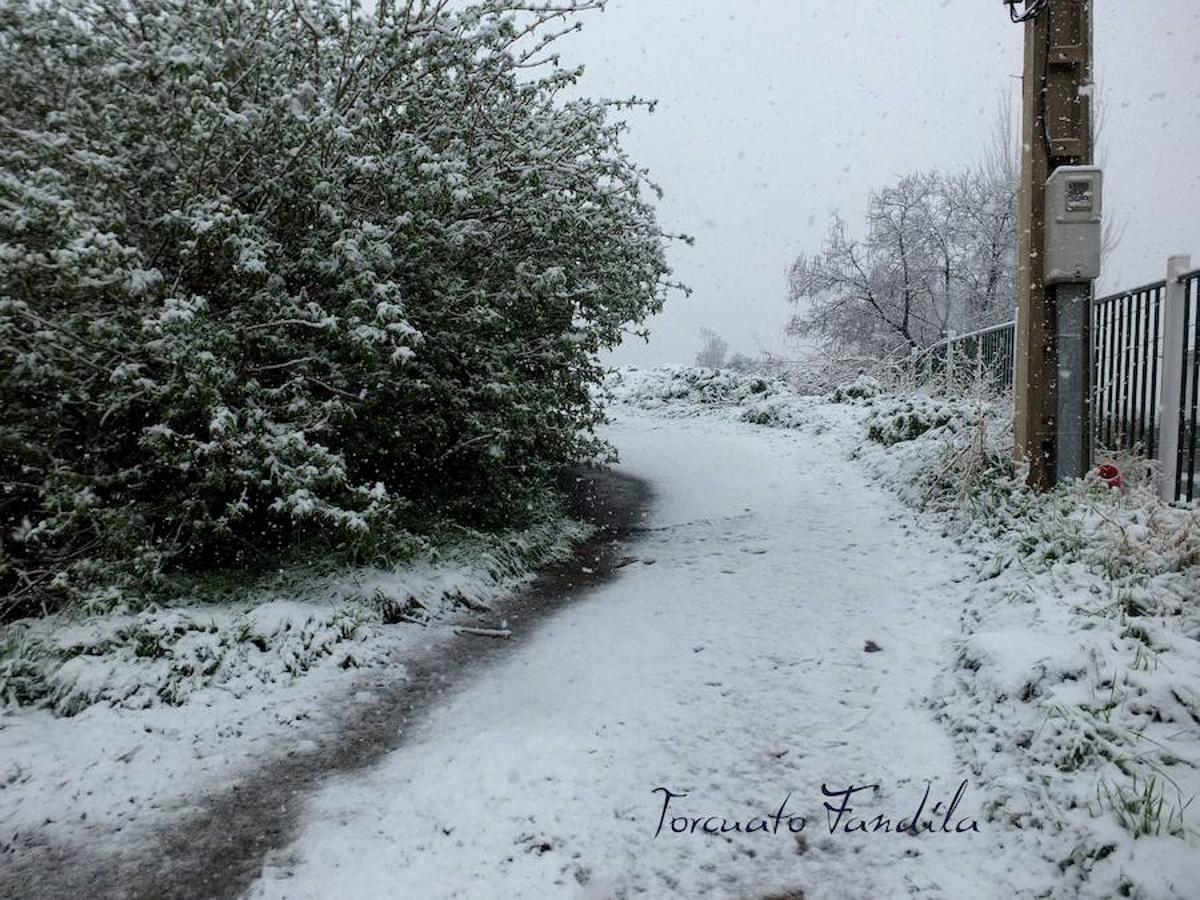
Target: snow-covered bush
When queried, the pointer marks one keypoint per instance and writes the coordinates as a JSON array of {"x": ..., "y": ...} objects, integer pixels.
[
  {"x": 685, "y": 385},
  {"x": 279, "y": 269},
  {"x": 863, "y": 387},
  {"x": 907, "y": 418},
  {"x": 775, "y": 411}
]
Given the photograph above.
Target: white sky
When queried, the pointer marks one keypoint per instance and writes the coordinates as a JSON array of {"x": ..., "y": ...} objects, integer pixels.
[{"x": 775, "y": 112}]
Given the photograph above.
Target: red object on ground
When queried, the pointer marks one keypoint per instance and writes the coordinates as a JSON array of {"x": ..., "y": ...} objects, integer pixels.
[{"x": 1111, "y": 475}]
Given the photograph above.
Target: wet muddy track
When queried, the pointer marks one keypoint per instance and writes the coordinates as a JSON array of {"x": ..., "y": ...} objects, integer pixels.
[{"x": 219, "y": 851}]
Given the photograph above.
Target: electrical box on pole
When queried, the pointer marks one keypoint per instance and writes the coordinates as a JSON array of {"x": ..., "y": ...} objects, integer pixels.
[
  {"x": 1073, "y": 217},
  {"x": 1072, "y": 261}
]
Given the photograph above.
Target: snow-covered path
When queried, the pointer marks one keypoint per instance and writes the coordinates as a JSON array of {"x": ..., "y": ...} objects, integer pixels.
[{"x": 727, "y": 663}]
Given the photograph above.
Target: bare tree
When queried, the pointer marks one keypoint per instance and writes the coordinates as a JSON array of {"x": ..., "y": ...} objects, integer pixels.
[
  {"x": 986, "y": 200},
  {"x": 938, "y": 256},
  {"x": 876, "y": 293},
  {"x": 712, "y": 354},
  {"x": 1113, "y": 229}
]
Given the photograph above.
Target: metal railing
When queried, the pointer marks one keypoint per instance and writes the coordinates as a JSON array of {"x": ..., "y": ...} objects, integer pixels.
[
  {"x": 983, "y": 355},
  {"x": 1132, "y": 335},
  {"x": 1126, "y": 345}
]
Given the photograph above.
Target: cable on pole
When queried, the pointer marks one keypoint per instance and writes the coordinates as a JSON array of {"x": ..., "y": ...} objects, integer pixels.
[{"x": 1033, "y": 9}]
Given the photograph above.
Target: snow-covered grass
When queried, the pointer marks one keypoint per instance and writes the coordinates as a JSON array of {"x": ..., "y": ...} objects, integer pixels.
[
  {"x": 1072, "y": 691},
  {"x": 164, "y": 654},
  {"x": 105, "y": 715},
  {"x": 1080, "y": 649}
]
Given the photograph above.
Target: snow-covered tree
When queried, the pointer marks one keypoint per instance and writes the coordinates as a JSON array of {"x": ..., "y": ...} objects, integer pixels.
[
  {"x": 273, "y": 269},
  {"x": 938, "y": 256}
]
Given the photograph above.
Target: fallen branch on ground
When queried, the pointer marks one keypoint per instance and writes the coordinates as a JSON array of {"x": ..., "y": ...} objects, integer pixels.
[{"x": 485, "y": 632}]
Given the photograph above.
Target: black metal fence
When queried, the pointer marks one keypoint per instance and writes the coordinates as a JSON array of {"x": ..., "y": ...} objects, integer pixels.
[
  {"x": 1126, "y": 376},
  {"x": 1127, "y": 371}
]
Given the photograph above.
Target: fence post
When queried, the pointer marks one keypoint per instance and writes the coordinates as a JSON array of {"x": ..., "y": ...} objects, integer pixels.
[
  {"x": 950, "y": 354},
  {"x": 1014, "y": 358},
  {"x": 1174, "y": 298}
]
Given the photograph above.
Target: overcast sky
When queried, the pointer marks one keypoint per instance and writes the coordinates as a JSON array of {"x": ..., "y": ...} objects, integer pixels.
[{"x": 773, "y": 113}]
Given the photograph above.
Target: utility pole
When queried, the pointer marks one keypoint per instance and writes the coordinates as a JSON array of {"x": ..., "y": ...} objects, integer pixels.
[{"x": 1056, "y": 131}]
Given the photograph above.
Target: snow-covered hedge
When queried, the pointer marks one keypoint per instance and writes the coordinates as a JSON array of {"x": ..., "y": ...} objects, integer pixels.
[{"x": 276, "y": 269}]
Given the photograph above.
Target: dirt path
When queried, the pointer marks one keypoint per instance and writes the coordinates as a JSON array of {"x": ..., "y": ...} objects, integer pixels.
[
  {"x": 779, "y": 635},
  {"x": 218, "y": 852}
]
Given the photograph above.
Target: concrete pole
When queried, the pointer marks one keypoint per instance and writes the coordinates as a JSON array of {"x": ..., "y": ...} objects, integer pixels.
[
  {"x": 1170, "y": 408},
  {"x": 1056, "y": 131}
]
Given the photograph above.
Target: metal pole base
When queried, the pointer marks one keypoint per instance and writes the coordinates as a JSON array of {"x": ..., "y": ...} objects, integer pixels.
[{"x": 1072, "y": 458}]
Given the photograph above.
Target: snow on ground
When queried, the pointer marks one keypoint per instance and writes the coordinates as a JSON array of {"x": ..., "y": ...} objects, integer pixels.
[
  {"x": 136, "y": 714},
  {"x": 1043, "y": 649},
  {"x": 727, "y": 663},
  {"x": 1071, "y": 689}
]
